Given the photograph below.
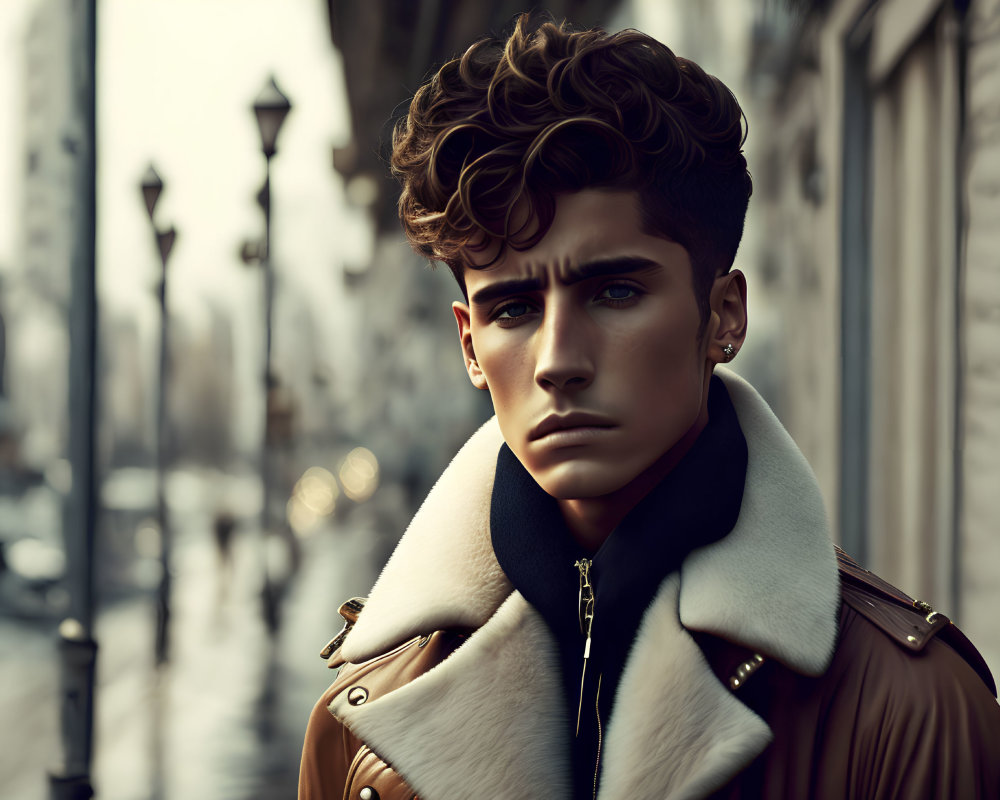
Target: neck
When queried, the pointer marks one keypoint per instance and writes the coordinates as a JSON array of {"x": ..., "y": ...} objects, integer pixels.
[{"x": 592, "y": 519}]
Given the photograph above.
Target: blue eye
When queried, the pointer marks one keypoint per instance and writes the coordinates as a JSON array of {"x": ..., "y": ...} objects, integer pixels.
[
  {"x": 618, "y": 291},
  {"x": 513, "y": 311}
]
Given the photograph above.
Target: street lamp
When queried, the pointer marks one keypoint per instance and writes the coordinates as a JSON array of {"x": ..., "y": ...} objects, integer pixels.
[
  {"x": 271, "y": 107},
  {"x": 151, "y": 186}
]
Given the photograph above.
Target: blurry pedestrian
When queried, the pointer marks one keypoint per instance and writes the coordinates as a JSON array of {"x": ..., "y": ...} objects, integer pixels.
[{"x": 223, "y": 527}]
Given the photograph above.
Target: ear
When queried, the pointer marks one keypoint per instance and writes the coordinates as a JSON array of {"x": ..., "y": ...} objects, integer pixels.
[
  {"x": 728, "y": 303},
  {"x": 464, "y": 320}
]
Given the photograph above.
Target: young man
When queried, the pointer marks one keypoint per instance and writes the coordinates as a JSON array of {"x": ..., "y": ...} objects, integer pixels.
[{"x": 624, "y": 585}]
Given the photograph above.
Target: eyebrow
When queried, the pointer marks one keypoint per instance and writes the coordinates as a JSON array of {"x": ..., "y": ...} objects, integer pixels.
[{"x": 599, "y": 268}]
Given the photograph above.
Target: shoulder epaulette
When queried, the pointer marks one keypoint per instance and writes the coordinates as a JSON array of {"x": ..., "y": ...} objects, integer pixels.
[{"x": 910, "y": 623}]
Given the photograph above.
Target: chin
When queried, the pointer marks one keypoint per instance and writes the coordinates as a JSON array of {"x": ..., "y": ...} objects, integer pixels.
[{"x": 575, "y": 481}]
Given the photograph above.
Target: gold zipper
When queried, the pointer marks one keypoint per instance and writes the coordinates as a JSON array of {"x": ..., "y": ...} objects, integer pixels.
[
  {"x": 586, "y": 610},
  {"x": 597, "y": 709}
]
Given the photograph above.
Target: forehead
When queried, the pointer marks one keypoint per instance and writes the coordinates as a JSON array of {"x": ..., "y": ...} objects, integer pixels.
[{"x": 593, "y": 225}]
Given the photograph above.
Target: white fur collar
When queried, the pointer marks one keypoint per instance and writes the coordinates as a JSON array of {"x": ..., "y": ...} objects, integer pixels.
[
  {"x": 771, "y": 585},
  {"x": 443, "y": 572},
  {"x": 490, "y": 721}
]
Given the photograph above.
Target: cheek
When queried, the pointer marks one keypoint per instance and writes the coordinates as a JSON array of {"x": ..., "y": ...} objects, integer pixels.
[
  {"x": 506, "y": 373},
  {"x": 669, "y": 377},
  {"x": 666, "y": 348}
]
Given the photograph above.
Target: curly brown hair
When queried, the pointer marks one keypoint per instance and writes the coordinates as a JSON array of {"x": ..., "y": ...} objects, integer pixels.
[{"x": 510, "y": 125}]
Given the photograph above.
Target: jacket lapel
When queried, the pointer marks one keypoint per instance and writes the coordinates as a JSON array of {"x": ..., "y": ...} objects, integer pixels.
[
  {"x": 443, "y": 573},
  {"x": 676, "y": 731},
  {"x": 772, "y": 584},
  {"x": 488, "y": 721}
]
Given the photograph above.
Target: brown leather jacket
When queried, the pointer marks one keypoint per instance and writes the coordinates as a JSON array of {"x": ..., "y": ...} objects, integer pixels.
[
  {"x": 856, "y": 693},
  {"x": 904, "y": 711}
]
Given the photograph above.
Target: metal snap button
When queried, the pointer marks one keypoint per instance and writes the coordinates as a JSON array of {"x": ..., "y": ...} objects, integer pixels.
[
  {"x": 356, "y": 697},
  {"x": 368, "y": 793}
]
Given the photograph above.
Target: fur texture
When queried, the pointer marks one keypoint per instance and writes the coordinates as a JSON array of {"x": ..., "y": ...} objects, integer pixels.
[
  {"x": 781, "y": 539},
  {"x": 443, "y": 572},
  {"x": 492, "y": 712},
  {"x": 676, "y": 731},
  {"x": 474, "y": 721}
]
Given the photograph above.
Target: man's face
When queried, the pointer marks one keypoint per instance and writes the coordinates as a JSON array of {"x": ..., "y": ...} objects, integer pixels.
[{"x": 589, "y": 345}]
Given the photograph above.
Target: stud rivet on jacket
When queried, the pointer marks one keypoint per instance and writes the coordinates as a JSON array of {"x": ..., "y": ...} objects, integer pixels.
[
  {"x": 745, "y": 670},
  {"x": 368, "y": 793},
  {"x": 356, "y": 697}
]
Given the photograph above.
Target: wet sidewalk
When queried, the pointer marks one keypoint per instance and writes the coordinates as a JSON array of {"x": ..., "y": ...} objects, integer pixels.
[{"x": 224, "y": 719}]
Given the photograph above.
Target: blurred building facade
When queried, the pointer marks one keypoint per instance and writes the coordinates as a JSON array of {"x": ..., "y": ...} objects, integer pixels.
[
  {"x": 877, "y": 191},
  {"x": 35, "y": 298},
  {"x": 37, "y": 295}
]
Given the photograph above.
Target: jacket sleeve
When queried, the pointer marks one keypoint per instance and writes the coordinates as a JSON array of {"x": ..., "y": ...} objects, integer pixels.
[{"x": 936, "y": 732}]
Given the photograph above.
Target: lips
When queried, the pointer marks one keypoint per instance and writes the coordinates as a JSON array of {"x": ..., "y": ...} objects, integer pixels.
[{"x": 564, "y": 422}]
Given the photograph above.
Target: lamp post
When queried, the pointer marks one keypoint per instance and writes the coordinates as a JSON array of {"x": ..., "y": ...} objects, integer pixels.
[
  {"x": 271, "y": 107},
  {"x": 77, "y": 646},
  {"x": 151, "y": 187}
]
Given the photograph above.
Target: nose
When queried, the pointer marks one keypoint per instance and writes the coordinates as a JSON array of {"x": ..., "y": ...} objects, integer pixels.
[{"x": 563, "y": 357}]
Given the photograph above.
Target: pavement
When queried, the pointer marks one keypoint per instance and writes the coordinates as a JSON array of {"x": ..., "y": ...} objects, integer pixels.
[{"x": 224, "y": 718}]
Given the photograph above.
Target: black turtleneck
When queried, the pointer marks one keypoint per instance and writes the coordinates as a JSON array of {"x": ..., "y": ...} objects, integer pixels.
[{"x": 697, "y": 503}]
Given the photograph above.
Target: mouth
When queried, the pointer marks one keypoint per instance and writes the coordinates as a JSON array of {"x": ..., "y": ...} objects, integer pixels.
[{"x": 576, "y": 420}]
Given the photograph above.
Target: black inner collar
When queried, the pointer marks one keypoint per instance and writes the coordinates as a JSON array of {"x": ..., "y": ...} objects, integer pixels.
[{"x": 697, "y": 503}]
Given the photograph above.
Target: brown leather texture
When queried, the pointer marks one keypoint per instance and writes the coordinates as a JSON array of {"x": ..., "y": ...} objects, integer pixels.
[
  {"x": 336, "y": 764},
  {"x": 911, "y": 623},
  {"x": 369, "y": 772},
  {"x": 883, "y": 722},
  {"x": 887, "y": 720}
]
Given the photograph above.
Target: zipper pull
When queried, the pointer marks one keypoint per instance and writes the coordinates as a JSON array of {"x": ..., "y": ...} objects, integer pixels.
[{"x": 586, "y": 611}]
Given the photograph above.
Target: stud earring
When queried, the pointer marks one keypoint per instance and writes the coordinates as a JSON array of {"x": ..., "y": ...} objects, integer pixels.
[{"x": 728, "y": 352}]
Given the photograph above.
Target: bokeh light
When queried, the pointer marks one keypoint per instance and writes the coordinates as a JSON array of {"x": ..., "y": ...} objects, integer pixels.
[
  {"x": 36, "y": 560},
  {"x": 359, "y": 474},
  {"x": 313, "y": 499}
]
